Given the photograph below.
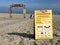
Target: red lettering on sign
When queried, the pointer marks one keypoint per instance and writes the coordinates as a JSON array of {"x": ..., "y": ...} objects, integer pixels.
[
  {"x": 17, "y": 5},
  {"x": 41, "y": 32},
  {"x": 39, "y": 26}
]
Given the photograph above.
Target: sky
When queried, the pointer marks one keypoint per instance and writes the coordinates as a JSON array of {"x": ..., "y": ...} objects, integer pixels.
[{"x": 32, "y": 4}]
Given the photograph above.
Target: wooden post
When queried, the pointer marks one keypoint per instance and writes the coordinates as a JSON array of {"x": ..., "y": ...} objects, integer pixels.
[{"x": 10, "y": 12}]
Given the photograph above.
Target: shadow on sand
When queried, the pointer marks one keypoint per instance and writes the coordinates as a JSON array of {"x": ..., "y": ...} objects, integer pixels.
[{"x": 23, "y": 35}]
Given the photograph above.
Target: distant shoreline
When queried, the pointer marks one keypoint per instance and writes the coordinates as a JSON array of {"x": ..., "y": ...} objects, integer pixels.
[{"x": 22, "y": 13}]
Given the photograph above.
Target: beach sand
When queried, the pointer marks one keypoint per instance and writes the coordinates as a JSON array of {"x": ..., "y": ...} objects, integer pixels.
[{"x": 20, "y": 31}]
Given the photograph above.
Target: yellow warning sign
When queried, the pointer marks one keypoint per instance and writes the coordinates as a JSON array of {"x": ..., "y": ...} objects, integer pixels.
[{"x": 43, "y": 24}]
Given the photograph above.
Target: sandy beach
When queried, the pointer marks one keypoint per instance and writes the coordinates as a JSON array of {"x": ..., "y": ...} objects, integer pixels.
[{"x": 20, "y": 31}]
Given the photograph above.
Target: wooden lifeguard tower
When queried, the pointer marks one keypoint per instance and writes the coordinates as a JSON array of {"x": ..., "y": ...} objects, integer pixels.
[{"x": 17, "y": 5}]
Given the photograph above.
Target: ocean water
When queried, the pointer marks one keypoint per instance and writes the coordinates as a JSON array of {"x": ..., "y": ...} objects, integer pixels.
[
  {"x": 16, "y": 10},
  {"x": 28, "y": 10}
]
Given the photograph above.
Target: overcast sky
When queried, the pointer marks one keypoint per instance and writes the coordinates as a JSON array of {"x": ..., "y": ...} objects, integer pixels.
[{"x": 32, "y": 4}]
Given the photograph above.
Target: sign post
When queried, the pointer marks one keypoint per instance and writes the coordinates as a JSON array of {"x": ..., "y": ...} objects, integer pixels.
[{"x": 43, "y": 24}]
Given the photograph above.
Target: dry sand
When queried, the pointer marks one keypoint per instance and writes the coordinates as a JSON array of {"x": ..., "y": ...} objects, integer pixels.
[{"x": 20, "y": 31}]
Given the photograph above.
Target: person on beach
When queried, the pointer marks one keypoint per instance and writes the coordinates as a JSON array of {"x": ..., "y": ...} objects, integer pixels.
[{"x": 31, "y": 16}]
